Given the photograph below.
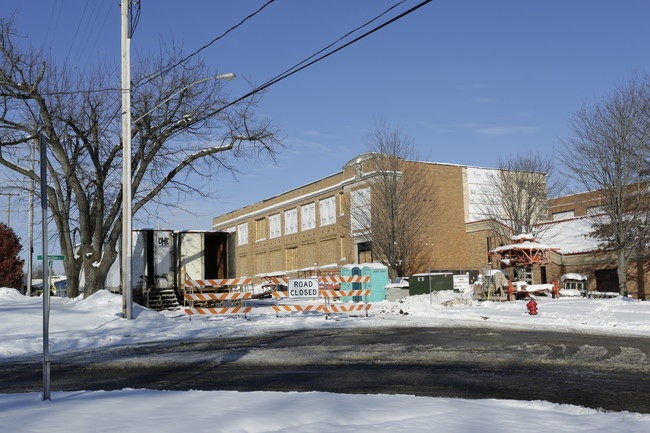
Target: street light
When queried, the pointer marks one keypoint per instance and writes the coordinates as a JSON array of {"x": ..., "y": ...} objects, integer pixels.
[{"x": 127, "y": 290}]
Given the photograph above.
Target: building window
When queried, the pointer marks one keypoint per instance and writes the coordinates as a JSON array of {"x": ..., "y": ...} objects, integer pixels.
[
  {"x": 290, "y": 221},
  {"x": 242, "y": 234},
  {"x": 275, "y": 226},
  {"x": 558, "y": 216},
  {"x": 595, "y": 210},
  {"x": 291, "y": 258},
  {"x": 308, "y": 216},
  {"x": 260, "y": 229},
  {"x": 360, "y": 210},
  {"x": 328, "y": 211}
]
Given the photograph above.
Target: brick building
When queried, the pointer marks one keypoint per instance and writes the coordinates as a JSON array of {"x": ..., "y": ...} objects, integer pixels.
[
  {"x": 308, "y": 229},
  {"x": 571, "y": 222}
]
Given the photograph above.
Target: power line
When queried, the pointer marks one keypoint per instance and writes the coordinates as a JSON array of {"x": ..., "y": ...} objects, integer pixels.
[
  {"x": 147, "y": 79},
  {"x": 76, "y": 33},
  {"x": 150, "y": 77},
  {"x": 338, "y": 40},
  {"x": 293, "y": 71},
  {"x": 287, "y": 73}
]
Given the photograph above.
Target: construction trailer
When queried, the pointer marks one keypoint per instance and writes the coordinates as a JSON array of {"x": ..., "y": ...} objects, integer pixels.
[{"x": 162, "y": 260}]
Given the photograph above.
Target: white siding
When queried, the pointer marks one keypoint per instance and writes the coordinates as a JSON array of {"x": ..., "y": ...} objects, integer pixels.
[{"x": 483, "y": 193}]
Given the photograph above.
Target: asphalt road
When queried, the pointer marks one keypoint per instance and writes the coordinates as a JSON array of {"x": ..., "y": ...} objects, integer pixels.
[{"x": 611, "y": 373}]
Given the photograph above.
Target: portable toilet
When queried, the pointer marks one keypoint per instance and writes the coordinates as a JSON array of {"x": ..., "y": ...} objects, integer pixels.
[{"x": 378, "y": 274}]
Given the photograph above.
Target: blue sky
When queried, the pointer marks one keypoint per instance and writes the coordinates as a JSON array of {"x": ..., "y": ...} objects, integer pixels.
[{"x": 470, "y": 81}]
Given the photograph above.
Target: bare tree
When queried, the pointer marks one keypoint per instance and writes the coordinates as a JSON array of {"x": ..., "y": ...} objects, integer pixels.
[
  {"x": 608, "y": 153},
  {"x": 397, "y": 206},
  {"x": 516, "y": 195},
  {"x": 181, "y": 139}
]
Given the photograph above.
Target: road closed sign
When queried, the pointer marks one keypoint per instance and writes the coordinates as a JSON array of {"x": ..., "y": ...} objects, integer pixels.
[{"x": 303, "y": 287}]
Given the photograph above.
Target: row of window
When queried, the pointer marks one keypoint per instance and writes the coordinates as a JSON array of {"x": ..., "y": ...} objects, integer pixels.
[
  {"x": 591, "y": 211},
  {"x": 327, "y": 211}
]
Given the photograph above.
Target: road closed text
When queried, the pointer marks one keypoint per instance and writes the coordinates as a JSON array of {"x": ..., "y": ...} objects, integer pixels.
[{"x": 303, "y": 288}]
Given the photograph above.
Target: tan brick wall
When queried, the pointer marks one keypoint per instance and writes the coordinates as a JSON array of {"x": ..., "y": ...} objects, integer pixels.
[
  {"x": 447, "y": 242},
  {"x": 579, "y": 203}
]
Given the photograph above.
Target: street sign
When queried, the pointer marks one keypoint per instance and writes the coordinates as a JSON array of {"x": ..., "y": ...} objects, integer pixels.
[
  {"x": 303, "y": 287},
  {"x": 39, "y": 257}
]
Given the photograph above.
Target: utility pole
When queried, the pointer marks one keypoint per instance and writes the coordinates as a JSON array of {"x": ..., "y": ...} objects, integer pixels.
[
  {"x": 127, "y": 291},
  {"x": 8, "y": 194}
]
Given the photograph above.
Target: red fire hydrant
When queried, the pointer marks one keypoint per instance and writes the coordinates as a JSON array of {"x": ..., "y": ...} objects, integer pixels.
[{"x": 532, "y": 307}]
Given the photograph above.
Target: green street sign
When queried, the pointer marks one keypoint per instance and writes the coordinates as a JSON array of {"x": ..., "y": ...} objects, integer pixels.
[{"x": 51, "y": 257}]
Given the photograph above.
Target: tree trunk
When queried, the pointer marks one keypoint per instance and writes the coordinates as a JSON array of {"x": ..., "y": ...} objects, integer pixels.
[
  {"x": 72, "y": 271},
  {"x": 621, "y": 272},
  {"x": 94, "y": 280}
]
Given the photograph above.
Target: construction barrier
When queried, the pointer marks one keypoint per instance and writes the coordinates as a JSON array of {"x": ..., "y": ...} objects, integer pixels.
[
  {"x": 289, "y": 308},
  {"x": 344, "y": 308},
  {"x": 206, "y": 297},
  {"x": 223, "y": 310},
  {"x": 226, "y": 302},
  {"x": 235, "y": 302},
  {"x": 324, "y": 280},
  {"x": 192, "y": 284},
  {"x": 327, "y": 308}
]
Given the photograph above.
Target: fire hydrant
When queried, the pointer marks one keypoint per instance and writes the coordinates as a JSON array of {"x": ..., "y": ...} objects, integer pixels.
[{"x": 532, "y": 307}]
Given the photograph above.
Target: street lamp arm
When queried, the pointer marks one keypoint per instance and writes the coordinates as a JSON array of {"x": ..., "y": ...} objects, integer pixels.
[{"x": 228, "y": 77}]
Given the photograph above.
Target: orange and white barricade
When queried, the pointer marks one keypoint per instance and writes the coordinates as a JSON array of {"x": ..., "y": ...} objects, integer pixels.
[
  {"x": 211, "y": 303},
  {"x": 218, "y": 310},
  {"x": 330, "y": 308},
  {"x": 203, "y": 284},
  {"x": 278, "y": 308},
  {"x": 328, "y": 295}
]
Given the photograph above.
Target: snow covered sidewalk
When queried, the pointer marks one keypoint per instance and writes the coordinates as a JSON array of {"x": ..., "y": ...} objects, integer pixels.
[{"x": 315, "y": 412}]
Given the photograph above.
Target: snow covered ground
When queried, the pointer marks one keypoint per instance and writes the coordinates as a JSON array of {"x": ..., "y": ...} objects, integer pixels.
[{"x": 96, "y": 322}]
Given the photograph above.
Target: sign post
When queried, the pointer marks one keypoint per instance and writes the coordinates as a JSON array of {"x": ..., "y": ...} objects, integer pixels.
[{"x": 46, "y": 293}]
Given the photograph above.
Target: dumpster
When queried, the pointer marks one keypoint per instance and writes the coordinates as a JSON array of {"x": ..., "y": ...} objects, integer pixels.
[{"x": 420, "y": 284}]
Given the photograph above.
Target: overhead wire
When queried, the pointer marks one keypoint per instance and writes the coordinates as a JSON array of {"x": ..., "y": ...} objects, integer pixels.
[
  {"x": 287, "y": 73},
  {"x": 153, "y": 76},
  {"x": 134, "y": 19},
  {"x": 76, "y": 32},
  {"x": 339, "y": 39},
  {"x": 281, "y": 77}
]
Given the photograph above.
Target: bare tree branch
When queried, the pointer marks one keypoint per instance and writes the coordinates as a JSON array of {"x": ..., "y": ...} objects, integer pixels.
[
  {"x": 608, "y": 153},
  {"x": 171, "y": 144}
]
